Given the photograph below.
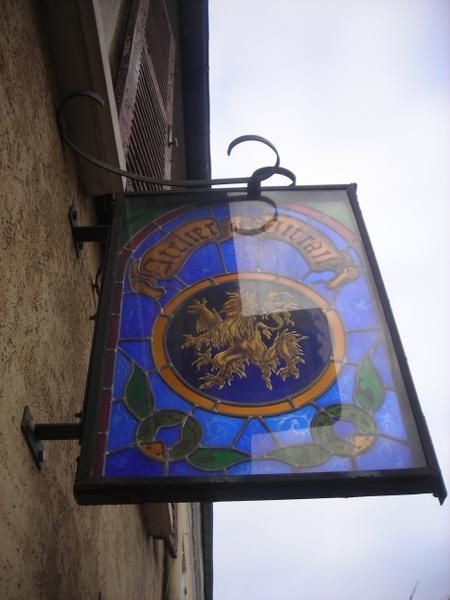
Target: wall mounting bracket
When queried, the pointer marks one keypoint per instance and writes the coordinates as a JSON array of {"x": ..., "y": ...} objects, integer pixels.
[
  {"x": 82, "y": 234},
  {"x": 35, "y": 433}
]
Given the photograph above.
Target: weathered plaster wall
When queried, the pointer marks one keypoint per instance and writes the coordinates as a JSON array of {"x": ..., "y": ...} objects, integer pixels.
[{"x": 50, "y": 548}]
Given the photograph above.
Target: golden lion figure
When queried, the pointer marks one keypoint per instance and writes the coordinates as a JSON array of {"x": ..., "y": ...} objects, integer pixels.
[{"x": 238, "y": 337}]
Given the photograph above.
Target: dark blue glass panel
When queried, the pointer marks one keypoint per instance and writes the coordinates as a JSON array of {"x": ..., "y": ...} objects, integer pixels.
[
  {"x": 386, "y": 454},
  {"x": 168, "y": 295},
  {"x": 122, "y": 373},
  {"x": 218, "y": 429},
  {"x": 148, "y": 242},
  {"x": 183, "y": 468},
  {"x": 389, "y": 417},
  {"x": 126, "y": 283},
  {"x": 355, "y": 305},
  {"x": 140, "y": 352},
  {"x": 171, "y": 284},
  {"x": 221, "y": 212},
  {"x": 251, "y": 389},
  {"x": 138, "y": 312},
  {"x": 164, "y": 397},
  {"x": 333, "y": 464},
  {"x": 201, "y": 213},
  {"x": 169, "y": 435},
  {"x": 278, "y": 257},
  {"x": 260, "y": 467},
  {"x": 122, "y": 427},
  {"x": 359, "y": 343},
  {"x": 294, "y": 427},
  {"x": 380, "y": 361},
  {"x": 255, "y": 439},
  {"x": 132, "y": 463},
  {"x": 331, "y": 396},
  {"x": 203, "y": 263}
]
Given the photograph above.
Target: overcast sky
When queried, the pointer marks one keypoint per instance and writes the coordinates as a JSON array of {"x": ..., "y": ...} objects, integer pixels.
[{"x": 348, "y": 91}]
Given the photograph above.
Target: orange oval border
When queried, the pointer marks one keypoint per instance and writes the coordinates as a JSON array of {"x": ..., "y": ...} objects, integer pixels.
[{"x": 163, "y": 364}]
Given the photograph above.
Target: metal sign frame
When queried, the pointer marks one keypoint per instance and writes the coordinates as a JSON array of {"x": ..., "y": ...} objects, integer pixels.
[{"x": 90, "y": 489}]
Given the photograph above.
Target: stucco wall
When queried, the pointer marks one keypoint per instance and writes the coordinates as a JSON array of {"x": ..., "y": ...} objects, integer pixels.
[{"x": 50, "y": 548}]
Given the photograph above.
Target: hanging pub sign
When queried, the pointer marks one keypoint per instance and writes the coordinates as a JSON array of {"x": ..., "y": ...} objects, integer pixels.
[{"x": 245, "y": 349}]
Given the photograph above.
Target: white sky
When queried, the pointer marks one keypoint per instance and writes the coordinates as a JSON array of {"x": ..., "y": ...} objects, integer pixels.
[{"x": 348, "y": 91}]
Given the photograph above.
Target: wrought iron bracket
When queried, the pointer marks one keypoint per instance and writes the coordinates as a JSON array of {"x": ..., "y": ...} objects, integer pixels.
[
  {"x": 253, "y": 182},
  {"x": 82, "y": 234},
  {"x": 35, "y": 433}
]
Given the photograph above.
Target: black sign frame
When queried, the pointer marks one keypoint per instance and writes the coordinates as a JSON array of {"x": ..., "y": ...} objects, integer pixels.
[{"x": 112, "y": 490}]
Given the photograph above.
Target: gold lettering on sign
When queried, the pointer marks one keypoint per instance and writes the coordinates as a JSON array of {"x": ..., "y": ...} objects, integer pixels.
[
  {"x": 165, "y": 259},
  {"x": 316, "y": 247}
]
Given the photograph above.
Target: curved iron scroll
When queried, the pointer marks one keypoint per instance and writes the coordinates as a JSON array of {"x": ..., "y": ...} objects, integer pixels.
[{"x": 253, "y": 182}]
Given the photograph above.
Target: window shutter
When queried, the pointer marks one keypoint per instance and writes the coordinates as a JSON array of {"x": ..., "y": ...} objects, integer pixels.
[{"x": 144, "y": 91}]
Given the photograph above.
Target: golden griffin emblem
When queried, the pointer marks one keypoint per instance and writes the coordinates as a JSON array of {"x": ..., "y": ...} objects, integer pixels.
[{"x": 235, "y": 334}]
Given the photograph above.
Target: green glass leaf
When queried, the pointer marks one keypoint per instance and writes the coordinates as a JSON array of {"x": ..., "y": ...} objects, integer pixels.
[
  {"x": 216, "y": 458},
  {"x": 307, "y": 455},
  {"x": 325, "y": 434},
  {"x": 369, "y": 392},
  {"x": 191, "y": 435},
  {"x": 338, "y": 445},
  {"x": 146, "y": 431},
  {"x": 138, "y": 397},
  {"x": 169, "y": 418}
]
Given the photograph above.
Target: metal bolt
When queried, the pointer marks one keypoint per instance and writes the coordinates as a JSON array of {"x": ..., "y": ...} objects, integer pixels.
[{"x": 41, "y": 456}]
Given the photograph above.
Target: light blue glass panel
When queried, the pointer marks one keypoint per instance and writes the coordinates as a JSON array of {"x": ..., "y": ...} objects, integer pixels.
[
  {"x": 278, "y": 257},
  {"x": 122, "y": 427},
  {"x": 138, "y": 312},
  {"x": 132, "y": 463},
  {"x": 219, "y": 430},
  {"x": 319, "y": 276},
  {"x": 164, "y": 397},
  {"x": 338, "y": 241},
  {"x": 169, "y": 435},
  {"x": 389, "y": 418},
  {"x": 138, "y": 351},
  {"x": 260, "y": 467},
  {"x": 255, "y": 439},
  {"x": 122, "y": 373},
  {"x": 294, "y": 427},
  {"x": 328, "y": 293},
  {"x": 246, "y": 249},
  {"x": 355, "y": 305},
  {"x": 359, "y": 343},
  {"x": 381, "y": 363},
  {"x": 346, "y": 383},
  {"x": 203, "y": 263},
  {"x": 386, "y": 454}
]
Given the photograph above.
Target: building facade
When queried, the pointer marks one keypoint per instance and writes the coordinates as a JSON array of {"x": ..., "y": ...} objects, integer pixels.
[{"x": 148, "y": 60}]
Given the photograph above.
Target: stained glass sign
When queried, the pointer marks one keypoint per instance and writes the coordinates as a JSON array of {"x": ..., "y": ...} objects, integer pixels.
[{"x": 245, "y": 349}]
